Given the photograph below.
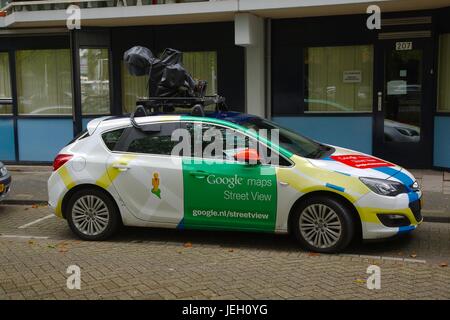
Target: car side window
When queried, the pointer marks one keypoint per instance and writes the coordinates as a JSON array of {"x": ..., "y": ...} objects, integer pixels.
[
  {"x": 231, "y": 141},
  {"x": 112, "y": 137},
  {"x": 204, "y": 134},
  {"x": 153, "y": 139}
]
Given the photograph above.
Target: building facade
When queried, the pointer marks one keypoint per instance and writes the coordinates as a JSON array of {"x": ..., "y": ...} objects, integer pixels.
[{"x": 311, "y": 65}]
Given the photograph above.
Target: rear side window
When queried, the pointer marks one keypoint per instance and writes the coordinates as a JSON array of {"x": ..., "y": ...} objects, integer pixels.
[
  {"x": 152, "y": 144},
  {"x": 153, "y": 139},
  {"x": 111, "y": 138}
]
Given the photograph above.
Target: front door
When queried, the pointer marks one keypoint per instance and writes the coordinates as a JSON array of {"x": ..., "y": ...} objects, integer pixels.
[
  {"x": 403, "y": 118},
  {"x": 221, "y": 193}
]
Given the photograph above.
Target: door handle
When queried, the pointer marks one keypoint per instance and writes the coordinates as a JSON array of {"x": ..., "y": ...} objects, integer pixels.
[
  {"x": 380, "y": 101},
  {"x": 121, "y": 167},
  {"x": 198, "y": 174},
  {"x": 284, "y": 183}
]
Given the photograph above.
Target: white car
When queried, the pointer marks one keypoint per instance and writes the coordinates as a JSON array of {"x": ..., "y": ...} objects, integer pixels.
[{"x": 118, "y": 173}]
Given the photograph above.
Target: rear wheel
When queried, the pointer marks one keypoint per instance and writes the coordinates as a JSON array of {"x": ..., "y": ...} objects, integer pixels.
[
  {"x": 92, "y": 215},
  {"x": 323, "y": 224}
]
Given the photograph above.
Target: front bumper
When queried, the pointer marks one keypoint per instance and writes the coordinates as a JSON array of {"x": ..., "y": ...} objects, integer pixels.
[
  {"x": 5, "y": 186},
  {"x": 374, "y": 228}
]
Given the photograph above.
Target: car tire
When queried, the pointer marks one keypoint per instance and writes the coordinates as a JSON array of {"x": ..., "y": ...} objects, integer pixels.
[
  {"x": 323, "y": 224},
  {"x": 92, "y": 215}
]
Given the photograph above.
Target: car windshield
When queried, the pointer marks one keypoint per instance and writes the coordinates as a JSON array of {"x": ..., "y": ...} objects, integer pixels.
[{"x": 289, "y": 139}]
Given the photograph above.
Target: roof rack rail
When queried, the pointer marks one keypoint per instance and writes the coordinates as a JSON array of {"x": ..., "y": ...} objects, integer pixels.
[{"x": 162, "y": 105}]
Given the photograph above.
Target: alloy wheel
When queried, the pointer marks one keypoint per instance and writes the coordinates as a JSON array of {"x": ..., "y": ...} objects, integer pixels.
[
  {"x": 320, "y": 226},
  {"x": 90, "y": 215}
]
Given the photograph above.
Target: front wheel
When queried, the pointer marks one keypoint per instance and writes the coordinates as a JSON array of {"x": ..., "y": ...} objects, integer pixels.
[
  {"x": 323, "y": 224},
  {"x": 92, "y": 215}
]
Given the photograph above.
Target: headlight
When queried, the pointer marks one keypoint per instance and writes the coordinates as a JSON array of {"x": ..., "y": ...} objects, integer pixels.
[
  {"x": 3, "y": 171},
  {"x": 384, "y": 187}
]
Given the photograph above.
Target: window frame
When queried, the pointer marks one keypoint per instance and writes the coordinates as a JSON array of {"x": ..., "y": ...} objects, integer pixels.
[
  {"x": 11, "y": 101},
  {"x": 297, "y": 109},
  {"x": 302, "y": 109},
  {"x": 111, "y": 81},
  {"x": 14, "y": 88},
  {"x": 438, "y": 111}
]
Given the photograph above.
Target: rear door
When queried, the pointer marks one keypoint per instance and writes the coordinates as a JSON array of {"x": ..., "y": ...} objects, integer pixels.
[{"x": 147, "y": 178}]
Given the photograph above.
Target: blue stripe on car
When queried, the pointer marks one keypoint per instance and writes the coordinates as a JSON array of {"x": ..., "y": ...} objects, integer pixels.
[
  {"x": 332, "y": 186},
  {"x": 406, "y": 229},
  {"x": 404, "y": 178},
  {"x": 343, "y": 173},
  {"x": 181, "y": 224}
]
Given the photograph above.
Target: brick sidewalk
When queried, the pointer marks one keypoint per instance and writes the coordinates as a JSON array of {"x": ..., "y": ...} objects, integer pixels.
[
  {"x": 151, "y": 270},
  {"x": 143, "y": 263}
]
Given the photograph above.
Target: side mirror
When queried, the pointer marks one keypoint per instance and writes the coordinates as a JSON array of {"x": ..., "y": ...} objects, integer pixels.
[{"x": 249, "y": 156}]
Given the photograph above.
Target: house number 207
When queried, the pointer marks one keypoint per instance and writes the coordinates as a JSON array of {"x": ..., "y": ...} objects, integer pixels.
[{"x": 401, "y": 46}]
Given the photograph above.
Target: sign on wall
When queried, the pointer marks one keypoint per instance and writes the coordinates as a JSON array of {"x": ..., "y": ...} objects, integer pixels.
[
  {"x": 403, "y": 46},
  {"x": 352, "y": 76}
]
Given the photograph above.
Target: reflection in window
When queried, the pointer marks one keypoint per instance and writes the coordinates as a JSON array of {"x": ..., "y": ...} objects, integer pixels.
[
  {"x": 94, "y": 77},
  {"x": 133, "y": 88},
  {"x": 339, "y": 79},
  {"x": 112, "y": 137},
  {"x": 44, "y": 82},
  {"x": 201, "y": 65},
  {"x": 5, "y": 85},
  {"x": 152, "y": 143},
  {"x": 403, "y": 95},
  {"x": 444, "y": 74}
]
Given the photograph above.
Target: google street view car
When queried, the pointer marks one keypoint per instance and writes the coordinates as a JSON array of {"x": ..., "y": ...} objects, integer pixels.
[{"x": 174, "y": 163}]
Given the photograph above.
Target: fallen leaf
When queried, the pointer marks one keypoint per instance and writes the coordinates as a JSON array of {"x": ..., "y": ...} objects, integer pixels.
[
  {"x": 30, "y": 242},
  {"x": 62, "y": 250},
  {"x": 443, "y": 264},
  {"x": 230, "y": 250},
  {"x": 413, "y": 255},
  {"x": 360, "y": 281},
  {"x": 187, "y": 245},
  {"x": 51, "y": 246},
  {"x": 34, "y": 206},
  {"x": 313, "y": 254}
]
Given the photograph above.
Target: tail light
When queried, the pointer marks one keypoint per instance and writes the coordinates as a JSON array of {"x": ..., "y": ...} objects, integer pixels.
[{"x": 60, "y": 160}]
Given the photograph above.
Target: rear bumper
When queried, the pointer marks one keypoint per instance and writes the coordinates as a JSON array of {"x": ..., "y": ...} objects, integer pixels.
[
  {"x": 5, "y": 186},
  {"x": 56, "y": 192}
]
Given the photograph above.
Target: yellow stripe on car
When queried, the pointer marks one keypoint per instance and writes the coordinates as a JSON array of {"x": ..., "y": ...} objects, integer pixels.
[
  {"x": 69, "y": 183},
  {"x": 66, "y": 178},
  {"x": 112, "y": 173}
]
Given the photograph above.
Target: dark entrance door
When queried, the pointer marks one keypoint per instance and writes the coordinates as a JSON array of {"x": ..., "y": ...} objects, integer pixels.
[{"x": 403, "y": 113}]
